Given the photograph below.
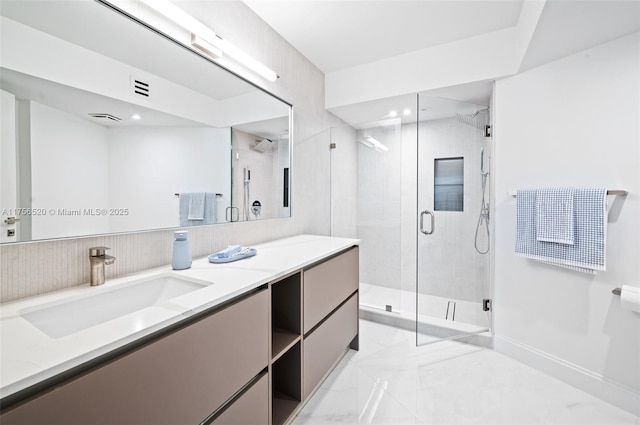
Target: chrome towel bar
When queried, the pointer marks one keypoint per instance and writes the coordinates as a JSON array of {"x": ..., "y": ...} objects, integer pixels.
[
  {"x": 609, "y": 192},
  {"x": 218, "y": 195}
]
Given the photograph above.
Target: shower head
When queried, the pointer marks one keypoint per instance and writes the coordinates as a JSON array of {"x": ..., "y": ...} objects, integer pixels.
[{"x": 472, "y": 120}]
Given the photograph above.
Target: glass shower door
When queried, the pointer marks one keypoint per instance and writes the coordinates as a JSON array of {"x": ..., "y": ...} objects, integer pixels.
[
  {"x": 453, "y": 234},
  {"x": 378, "y": 222}
]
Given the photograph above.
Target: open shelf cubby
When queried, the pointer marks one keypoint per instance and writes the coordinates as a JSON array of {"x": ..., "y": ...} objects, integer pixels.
[
  {"x": 285, "y": 314},
  {"x": 286, "y": 384}
]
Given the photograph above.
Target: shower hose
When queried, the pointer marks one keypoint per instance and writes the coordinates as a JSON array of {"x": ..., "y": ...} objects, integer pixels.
[{"x": 483, "y": 219}]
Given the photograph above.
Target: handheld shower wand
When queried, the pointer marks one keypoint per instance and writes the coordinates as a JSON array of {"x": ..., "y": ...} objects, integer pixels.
[{"x": 484, "y": 207}]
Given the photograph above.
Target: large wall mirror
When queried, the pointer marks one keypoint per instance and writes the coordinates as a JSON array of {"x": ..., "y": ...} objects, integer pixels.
[{"x": 108, "y": 127}]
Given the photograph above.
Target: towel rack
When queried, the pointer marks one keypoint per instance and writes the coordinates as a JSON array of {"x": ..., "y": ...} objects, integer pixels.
[
  {"x": 218, "y": 195},
  {"x": 609, "y": 192}
]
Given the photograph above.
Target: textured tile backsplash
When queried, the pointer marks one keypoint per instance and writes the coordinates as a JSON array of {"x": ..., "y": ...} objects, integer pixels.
[{"x": 34, "y": 268}]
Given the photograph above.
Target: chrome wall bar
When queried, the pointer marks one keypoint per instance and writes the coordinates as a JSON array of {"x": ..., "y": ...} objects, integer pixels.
[
  {"x": 218, "y": 195},
  {"x": 609, "y": 192}
]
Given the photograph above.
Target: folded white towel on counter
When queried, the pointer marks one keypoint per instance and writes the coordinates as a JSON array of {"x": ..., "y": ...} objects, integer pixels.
[
  {"x": 554, "y": 215},
  {"x": 587, "y": 254}
]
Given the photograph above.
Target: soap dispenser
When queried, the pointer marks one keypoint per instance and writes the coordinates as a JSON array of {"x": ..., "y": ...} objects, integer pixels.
[{"x": 181, "y": 251}]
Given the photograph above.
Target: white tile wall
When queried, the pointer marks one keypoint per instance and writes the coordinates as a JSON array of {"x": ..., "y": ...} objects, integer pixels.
[{"x": 449, "y": 266}]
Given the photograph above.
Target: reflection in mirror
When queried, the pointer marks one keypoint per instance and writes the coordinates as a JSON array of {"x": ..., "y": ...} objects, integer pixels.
[
  {"x": 259, "y": 164},
  {"x": 115, "y": 137}
]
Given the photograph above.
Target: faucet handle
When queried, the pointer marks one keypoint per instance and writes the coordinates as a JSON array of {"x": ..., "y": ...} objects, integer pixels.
[{"x": 98, "y": 251}]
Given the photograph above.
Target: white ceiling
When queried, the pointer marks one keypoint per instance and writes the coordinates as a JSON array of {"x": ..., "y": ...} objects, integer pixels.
[
  {"x": 567, "y": 27},
  {"x": 339, "y": 34},
  {"x": 91, "y": 25}
]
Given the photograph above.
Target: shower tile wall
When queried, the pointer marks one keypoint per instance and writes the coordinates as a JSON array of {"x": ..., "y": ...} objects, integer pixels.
[
  {"x": 344, "y": 182},
  {"x": 387, "y": 213},
  {"x": 379, "y": 206},
  {"x": 262, "y": 166},
  {"x": 449, "y": 265}
]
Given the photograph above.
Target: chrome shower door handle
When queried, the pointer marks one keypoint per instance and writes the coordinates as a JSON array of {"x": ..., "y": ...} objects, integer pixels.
[
  {"x": 229, "y": 217},
  {"x": 422, "y": 214}
]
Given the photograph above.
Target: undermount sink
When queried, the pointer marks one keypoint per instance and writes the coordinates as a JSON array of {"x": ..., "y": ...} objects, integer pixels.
[{"x": 72, "y": 316}]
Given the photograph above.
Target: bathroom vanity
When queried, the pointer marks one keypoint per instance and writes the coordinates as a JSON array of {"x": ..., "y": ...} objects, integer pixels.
[{"x": 249, "y": 347}]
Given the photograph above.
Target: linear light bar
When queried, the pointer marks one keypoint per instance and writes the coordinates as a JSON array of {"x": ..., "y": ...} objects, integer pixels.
[
  {"x": 376, "y": 144},
  {"x": 205, "y": 39},
  {"x": 205, "y": 46}
]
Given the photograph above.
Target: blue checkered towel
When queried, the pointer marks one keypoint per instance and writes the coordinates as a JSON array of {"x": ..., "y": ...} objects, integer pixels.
[
  {"x": 588, "y": 253},
  {"x": 554, "y": 215}
]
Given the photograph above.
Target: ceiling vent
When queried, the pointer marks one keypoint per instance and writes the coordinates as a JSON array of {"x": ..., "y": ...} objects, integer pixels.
[
  {"x": 140, "y": 88},
  {"x": 105, "y": 116}
]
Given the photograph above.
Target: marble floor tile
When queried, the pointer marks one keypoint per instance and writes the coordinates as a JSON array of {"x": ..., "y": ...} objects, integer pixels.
[
  {"x": 349, "y": 396},
  {"x": 391, "y": 381}
]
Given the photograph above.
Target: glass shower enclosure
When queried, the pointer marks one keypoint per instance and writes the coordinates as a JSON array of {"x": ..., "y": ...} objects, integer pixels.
[
  {"x": 453, "y": 237},
  {"x": 422, "y": 210}
]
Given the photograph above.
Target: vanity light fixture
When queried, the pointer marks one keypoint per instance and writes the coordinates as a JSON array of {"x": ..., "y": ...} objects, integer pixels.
[
  {"x": 203, "y": 45},
  {"x": 204, "y": 39},
  {"x": 407, "y": 111}
]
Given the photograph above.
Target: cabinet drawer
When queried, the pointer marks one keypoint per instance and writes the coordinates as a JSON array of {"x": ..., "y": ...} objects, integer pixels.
[
  {"x": 252, "y": 408},
  {"x": 325, "y": 344},
  {"x": 179, "y": 379},
  {"x": 327, "y": 285}
]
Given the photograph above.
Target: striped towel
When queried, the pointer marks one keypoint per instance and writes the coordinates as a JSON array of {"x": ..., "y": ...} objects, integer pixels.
[
  {"x": 554, "y": 215},
  {"x": 588, "y": 253}
]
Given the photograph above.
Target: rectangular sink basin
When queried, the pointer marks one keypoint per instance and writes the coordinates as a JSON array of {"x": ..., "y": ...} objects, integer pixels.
[{"x": 70, "y": 317}]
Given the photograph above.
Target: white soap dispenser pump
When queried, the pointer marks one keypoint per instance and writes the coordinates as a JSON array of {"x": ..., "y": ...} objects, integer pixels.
[{"x": 181, "y": 250}]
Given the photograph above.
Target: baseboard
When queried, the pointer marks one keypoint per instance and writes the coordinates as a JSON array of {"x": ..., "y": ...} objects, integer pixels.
[{"x": 588, "y": 381}]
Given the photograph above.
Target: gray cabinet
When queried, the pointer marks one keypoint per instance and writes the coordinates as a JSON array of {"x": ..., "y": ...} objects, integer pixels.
[
  {"x": 251, "y": 408},
  {"x": 180, "y": 378},
  {"x": 324, "y": 297},
  {"x": 326, "y": 344},
  {"x": 327, "y": 285},
  {"x": 254, "y": 361},
  {"x": 330, "y": 315}
]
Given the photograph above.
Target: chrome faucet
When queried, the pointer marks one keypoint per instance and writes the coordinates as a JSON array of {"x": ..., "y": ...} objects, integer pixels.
[{"x": 98, "y": 259}]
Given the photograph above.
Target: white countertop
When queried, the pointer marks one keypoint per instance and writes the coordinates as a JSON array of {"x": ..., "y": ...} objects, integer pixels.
[{"x": 29, "y": 356}]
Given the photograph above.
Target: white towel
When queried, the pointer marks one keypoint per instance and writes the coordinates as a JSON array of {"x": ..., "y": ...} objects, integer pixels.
[
  {"x": 196, "y": 206},
  {"x": 554, "y": 215},
  {"x": 587, "y": 254}
]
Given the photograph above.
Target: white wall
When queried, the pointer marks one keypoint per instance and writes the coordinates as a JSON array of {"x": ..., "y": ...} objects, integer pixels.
[
  {"x": 572, "y": 122},
  {"x": 8, "y": 164},
  {"x": 149, "y": 165},
  {"x": 450, "y": 64},
  {"x": 69, "y": 159}
]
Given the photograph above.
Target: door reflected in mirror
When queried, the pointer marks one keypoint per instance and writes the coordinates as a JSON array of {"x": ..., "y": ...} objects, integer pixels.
[{"x": 127, "y": 136}]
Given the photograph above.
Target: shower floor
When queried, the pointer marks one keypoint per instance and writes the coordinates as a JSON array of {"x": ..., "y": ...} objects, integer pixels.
[{"x": 469, "y": 317}]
